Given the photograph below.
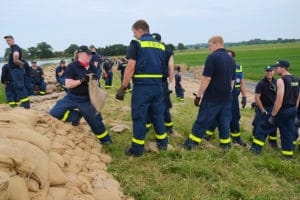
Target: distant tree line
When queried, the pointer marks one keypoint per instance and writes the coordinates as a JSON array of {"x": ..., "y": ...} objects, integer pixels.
[
  {"x": 249, "y": 42},
  {"x": 43, "y": 50}
]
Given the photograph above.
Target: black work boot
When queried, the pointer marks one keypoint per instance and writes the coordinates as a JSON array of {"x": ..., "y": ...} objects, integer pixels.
[
  {"x": 256, "y": 149},
  {"x": 239, "y": 141}
]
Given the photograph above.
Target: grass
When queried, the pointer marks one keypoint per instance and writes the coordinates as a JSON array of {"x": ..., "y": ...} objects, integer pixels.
[{"x": 205, "y": 173}]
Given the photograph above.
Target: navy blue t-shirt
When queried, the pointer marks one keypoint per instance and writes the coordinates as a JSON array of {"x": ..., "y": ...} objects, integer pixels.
[
  {"x": 177, "y": 80},
  {"x": 267, "y": 91},
  {"x": 58, "y": 70},
  {"x": 133, "y": 50},
  {"x": 14, "y": 48},
  {"x": 221, "y": 68},
  {"x": 76, "y": 72},
  {"x": 96, "y": 58}
]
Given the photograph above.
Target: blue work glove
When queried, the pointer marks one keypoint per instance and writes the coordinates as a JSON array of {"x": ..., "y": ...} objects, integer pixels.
[
  {"x": 120, "y": 94},
  {"x": 271, "y": 120},
  {"x": 244, "y": 101}
]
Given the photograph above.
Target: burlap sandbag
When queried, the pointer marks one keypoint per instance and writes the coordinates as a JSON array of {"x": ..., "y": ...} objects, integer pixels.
[
  {"x": 34, "y": 162},
  {"x": 17, "y": 189},
  {"x": 97, "y": 95},
  {"x": 4, "y": 182},
  {"x": 57, "y": 193},
  {"x": 56, "y": 175}
]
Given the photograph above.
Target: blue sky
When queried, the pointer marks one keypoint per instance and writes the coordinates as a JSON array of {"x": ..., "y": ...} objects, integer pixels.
[{"x": 105, "y": 22}]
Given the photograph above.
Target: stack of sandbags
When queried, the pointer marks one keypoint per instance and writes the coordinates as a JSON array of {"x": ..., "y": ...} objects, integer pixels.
[{"x": 44, "y": 158}]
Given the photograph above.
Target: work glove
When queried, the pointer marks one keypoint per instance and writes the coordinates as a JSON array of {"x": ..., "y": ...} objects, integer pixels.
[
  {"x": 197, "y": 101},
  {"x": 271, "y": 120},
  {"x": 244, "y": 101},
  {"x": 264, "y": 113},
  {"x": 86, "y": 78},
  {"x": 253, "y": 105},
  {"x": 170, "y": 91},
  {"x": 120, "y": 94}
]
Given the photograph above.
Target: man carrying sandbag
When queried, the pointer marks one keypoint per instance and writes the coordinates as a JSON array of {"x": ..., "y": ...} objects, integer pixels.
[{"x": 77, "y": 79}]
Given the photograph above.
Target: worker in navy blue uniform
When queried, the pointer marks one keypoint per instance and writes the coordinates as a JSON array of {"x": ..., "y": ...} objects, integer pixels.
[
  {"x": 27, "y": 78},
  {"x": 265, "y": 95},
  {"x": 37, "y": 79},
  {"x": 77, "y": 101},
  {"x": 283, "y": 113},
  {"x": 96, "y": 61},
  {"x": 179, "y": 90},
  {"x": 6, "y": 80},
  {"x": 121, "y": 67},
  {"x": 167, "y": 74},
  {"x": 16, "y": 64},
  {"x": 60, "y": 74},
  {"x": 107, "y": 66},
  {"x": 239, "y": 87},
  {"x": 216, "y": 93},
  {"x": 145, "y": 65}
]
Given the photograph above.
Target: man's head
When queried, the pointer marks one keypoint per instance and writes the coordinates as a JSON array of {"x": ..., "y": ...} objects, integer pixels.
[
  {"x": 33, "y": 64},
  {"x": 281, "y": 66},
  {"x": 215, "y": 42},
  {"x": 231, "y": 53},
  {"x": 156, "y": 36},
  {"x": 84, "y": 54},
  {"x": 62, "y": 63},
  {"x": 269, "y": 71},
  {"x": 9, "y": 39},
  {"x": 139, "y": 28},
  {"x": 92, "y": 48}
]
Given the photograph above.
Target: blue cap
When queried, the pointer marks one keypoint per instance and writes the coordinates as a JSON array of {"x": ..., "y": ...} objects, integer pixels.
[
  {"x": 282, "y": 63},
  {"x": 156, "y": 36},
  {"x": 269, "y": 68}
]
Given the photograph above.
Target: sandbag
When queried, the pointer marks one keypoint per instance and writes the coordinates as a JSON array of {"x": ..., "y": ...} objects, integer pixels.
[
  {"x": 57, "y": 193},
  {"x": 17, "y": 189},
  {"x": 97, "y": 95},
  {"x": 4, "y": 182},
  {"x": 56, "y": 175}
]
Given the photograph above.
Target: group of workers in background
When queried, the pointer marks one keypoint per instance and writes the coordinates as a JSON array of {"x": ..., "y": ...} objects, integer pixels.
[{"x": 150, "y": 67}]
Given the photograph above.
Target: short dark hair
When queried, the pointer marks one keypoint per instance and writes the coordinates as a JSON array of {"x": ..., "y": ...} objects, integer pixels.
[
  {"x": 231, "y": 52},
  {"x": 141, "y": 24}
]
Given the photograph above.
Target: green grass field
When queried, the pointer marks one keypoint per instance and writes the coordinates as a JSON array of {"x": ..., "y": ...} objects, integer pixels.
[
  {"x": 253, "y": 58},
  {"x": 205, "y": 173}
]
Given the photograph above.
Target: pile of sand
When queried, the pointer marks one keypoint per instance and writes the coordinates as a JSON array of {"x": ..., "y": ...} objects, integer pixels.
[{"x": 42, "y": 158}]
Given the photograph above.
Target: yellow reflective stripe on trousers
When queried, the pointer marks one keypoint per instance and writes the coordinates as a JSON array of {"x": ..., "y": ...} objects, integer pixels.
[
  {"x": 237, "y": 86},
  {"x": 24, "y": 100},
  {"x": 102, "y": 135},
  {"x": 194, "y": 138},
  {"x": 12, "y": 103},
  {"x": 42, "y": 92},
  {"x": 258, "y": 142},
  {"x": 235, "y": 134},
  {"x": 66, "y": 115},
  {"x": 225, "y": 141},
  {"x": 208, "y": 132},
  {"x": 288, "y": 153},
  {"x": 151, "y": 44},
  {"x": 140, "y": 142},
  {"x": 161, "y": 137},
  {"x": 169, "y": 124},
  {"x": 149, "y": 125},
  {"x": 272, "y": 138},
  {"x": 148, "y": 76}
]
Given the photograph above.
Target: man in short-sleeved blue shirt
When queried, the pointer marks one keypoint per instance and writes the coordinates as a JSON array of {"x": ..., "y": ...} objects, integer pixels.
[{"x": 215, "y": 91}]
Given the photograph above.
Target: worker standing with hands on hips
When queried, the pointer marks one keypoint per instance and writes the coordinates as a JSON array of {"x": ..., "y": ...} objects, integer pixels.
[
  {"x": 78, "y": 97},
  {"x": 216, "y": 93},
  {"x": 145, "y": 65},
  {"x": 283, "y": 113},
  {"x": 17, "y": 68}
]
